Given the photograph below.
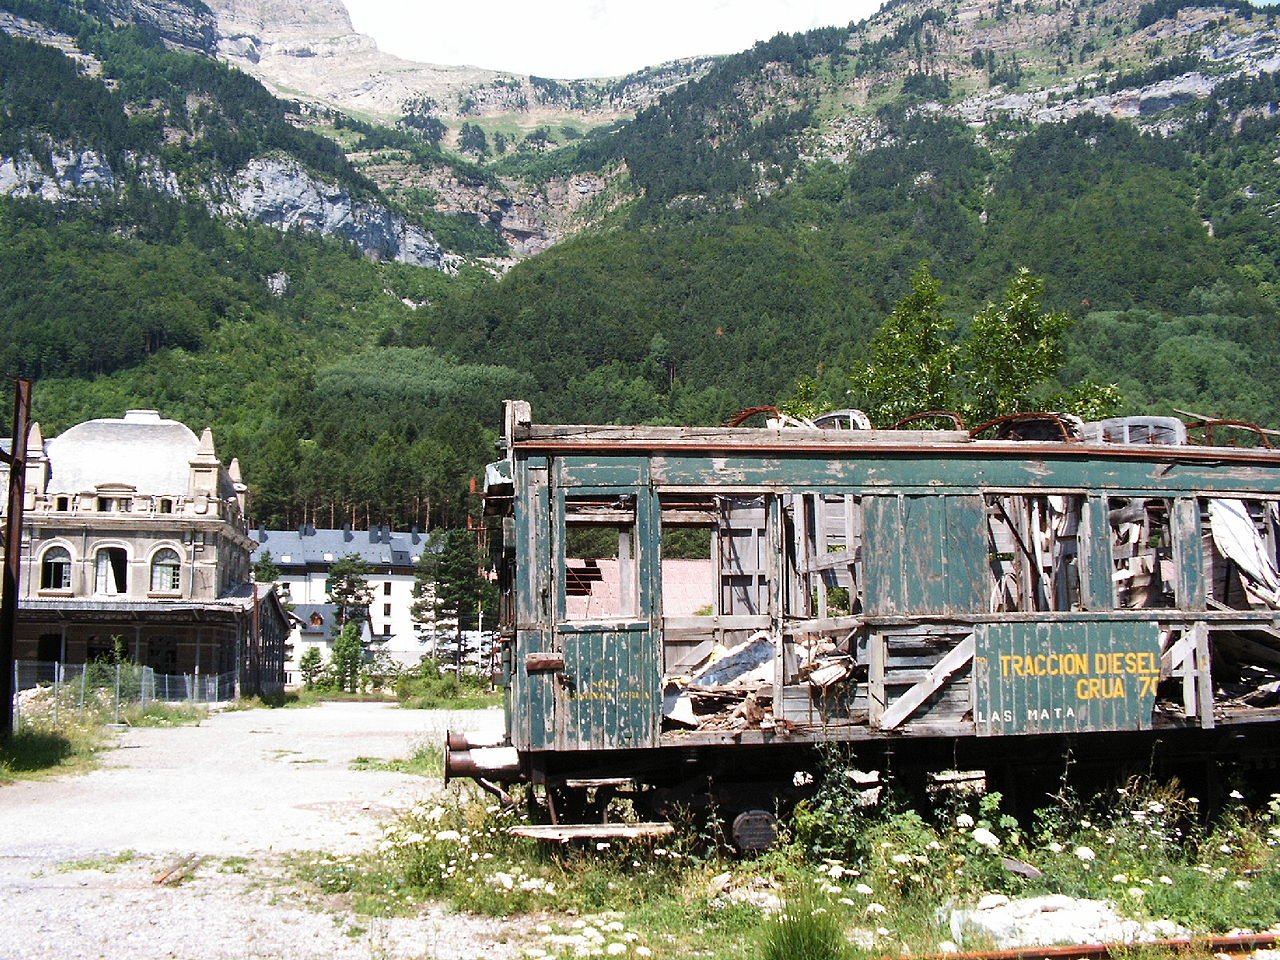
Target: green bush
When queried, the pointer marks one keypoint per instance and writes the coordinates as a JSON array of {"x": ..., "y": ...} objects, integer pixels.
[{"x": 429, "y": 687}]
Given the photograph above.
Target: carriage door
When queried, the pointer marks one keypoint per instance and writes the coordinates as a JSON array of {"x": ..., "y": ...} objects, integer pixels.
[{"x": 609, "y": 693}]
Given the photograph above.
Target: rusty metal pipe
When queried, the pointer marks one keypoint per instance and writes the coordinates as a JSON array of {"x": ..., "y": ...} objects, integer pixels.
[{"x": 501, "y": 764}]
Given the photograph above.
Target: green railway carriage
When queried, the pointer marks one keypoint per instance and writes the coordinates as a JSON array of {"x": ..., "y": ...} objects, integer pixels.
[{"x": 693, "y": 610}]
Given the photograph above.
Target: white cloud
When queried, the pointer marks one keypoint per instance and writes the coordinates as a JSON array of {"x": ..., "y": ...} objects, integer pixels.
[{"x": 582, "y": 38}]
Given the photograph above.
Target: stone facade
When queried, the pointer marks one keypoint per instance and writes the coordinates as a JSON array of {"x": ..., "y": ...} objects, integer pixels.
[{"x": 134, "y": 542}]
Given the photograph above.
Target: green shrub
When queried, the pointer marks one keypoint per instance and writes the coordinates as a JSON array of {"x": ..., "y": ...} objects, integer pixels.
[{"x": 428, "y": 687}]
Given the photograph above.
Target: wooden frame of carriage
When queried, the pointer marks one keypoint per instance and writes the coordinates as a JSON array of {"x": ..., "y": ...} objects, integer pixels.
[{"x": 693, "y": 612}]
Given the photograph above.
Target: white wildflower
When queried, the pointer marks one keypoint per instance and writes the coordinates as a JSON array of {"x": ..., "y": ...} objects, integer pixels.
[
  {"x": 616, "y": 949},
  {"x": 445, "y": 836},
  {"x": 863, "y": 889},
  {"x": 964, "y": 821},
  {"x": 876, "y": 908},
  {"x": 986, "y": 838},
  {"x": 1085, "y": 854}
]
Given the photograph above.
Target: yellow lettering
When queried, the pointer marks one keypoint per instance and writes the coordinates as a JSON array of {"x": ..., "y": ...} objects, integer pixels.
[{"x": 1100, "y": 688}]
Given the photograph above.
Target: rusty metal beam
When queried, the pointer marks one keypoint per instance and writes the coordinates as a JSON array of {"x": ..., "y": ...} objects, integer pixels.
[
  {"x": 1232, "y": 944},
  {"x": 13, "y": 551}
]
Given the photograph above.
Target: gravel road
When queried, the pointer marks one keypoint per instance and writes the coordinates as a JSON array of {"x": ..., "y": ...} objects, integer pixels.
[{"x": 239, "y": 792}]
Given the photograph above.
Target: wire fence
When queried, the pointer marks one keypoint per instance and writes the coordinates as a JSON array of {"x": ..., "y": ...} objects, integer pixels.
[{"x": 50, "y": 692}]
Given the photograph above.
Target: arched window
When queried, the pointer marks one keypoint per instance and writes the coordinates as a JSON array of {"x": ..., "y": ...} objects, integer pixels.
[
  {"x": 166, "y": 571},
  {"x": 111, "y": 572},
  {"x": 55, "y": 569}
]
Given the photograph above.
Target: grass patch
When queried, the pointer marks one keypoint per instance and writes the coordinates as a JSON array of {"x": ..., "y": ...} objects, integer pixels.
[
  {"x": 463, "y": 700},
  {"x": 104, "y": 864},
  {"x": 429, "y": 687},
  {"x": 805, "y": 928},
  {"x": 427, "y": 760},
  {"x": 281, "y": 700},
  {"x": 36, "y": 751},
  {"x": 160, "y": 714}
]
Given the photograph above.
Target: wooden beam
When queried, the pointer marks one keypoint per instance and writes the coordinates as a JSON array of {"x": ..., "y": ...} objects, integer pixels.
[
  {"x": 564, "y": 832},
  {"x": 909, "y": 702}
]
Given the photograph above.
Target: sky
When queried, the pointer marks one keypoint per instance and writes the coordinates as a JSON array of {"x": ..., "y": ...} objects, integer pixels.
[{"x": 570, "y": 39}]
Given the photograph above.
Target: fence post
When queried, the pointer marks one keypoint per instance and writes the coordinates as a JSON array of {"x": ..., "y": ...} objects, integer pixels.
[
  {"x": 117, "y": 713},
  {"x": 57, "y": 689},
  {"x": 15, "y": 706}
]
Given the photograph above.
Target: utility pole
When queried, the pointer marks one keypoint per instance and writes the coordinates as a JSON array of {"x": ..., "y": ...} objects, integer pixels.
[{"x": 17, "y": 460}]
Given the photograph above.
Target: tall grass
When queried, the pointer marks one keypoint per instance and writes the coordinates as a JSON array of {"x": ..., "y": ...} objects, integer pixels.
[{"x": 37, "y": 751}]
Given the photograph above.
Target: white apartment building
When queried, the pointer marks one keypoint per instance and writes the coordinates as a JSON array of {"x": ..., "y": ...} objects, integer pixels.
[{"x": 306, "y": 555}]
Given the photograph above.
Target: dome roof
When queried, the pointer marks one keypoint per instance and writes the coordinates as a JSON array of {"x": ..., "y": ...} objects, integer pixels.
[{"x": 142, "y": 450}]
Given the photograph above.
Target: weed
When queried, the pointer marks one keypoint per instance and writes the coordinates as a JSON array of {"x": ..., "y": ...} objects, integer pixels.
[
  {"x": 427, "y": 760},
  {"x": 160, "y": 714},
  {"x": 428, "y": 687},
  {"x": 104, "y": 864},
  {"x": 805, "y": 930}
]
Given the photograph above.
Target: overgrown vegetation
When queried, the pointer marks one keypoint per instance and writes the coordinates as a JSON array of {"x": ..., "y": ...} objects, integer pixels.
[
  {"x": 430, "y": 687},
  {"x": 856, "y": 876}
]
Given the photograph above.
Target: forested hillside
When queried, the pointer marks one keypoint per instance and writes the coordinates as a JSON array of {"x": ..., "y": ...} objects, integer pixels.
[{"x": 770, "y": 216}]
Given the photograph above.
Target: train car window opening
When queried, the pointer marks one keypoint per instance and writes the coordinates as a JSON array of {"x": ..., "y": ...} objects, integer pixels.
[
  {"x": 598, "y": 559},
  {"x": 689, "y": 574},
  {"x": 1142, "y": 552},
  {"x": 1241, "y": 544},
  {"x": 1034, "y": 551}
]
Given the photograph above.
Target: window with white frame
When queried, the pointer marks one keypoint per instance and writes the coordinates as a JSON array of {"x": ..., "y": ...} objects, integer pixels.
[
  {"x": 111, "y": 571},
  {"x": 55, "y": 569},
  {"x": 166, "y": 571}
]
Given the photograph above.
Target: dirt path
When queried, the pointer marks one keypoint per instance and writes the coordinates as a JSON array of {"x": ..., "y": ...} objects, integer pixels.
[{"x": 238, "y": 792}]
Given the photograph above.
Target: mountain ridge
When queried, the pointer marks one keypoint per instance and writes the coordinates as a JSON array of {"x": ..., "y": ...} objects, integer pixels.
[{"x": 314, "y": 51}]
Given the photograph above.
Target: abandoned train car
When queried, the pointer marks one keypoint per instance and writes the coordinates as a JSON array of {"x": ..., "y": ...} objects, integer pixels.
[{"x": 694, "y": 609}]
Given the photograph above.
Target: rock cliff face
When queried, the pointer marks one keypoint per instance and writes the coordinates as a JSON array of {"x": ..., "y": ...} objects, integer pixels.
[
  {"x": 280, "y": 193},
  {"x": 277, "y": 192},
  {"x": 187, "y": 24},
  {"x": 293, "y": 46}
]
